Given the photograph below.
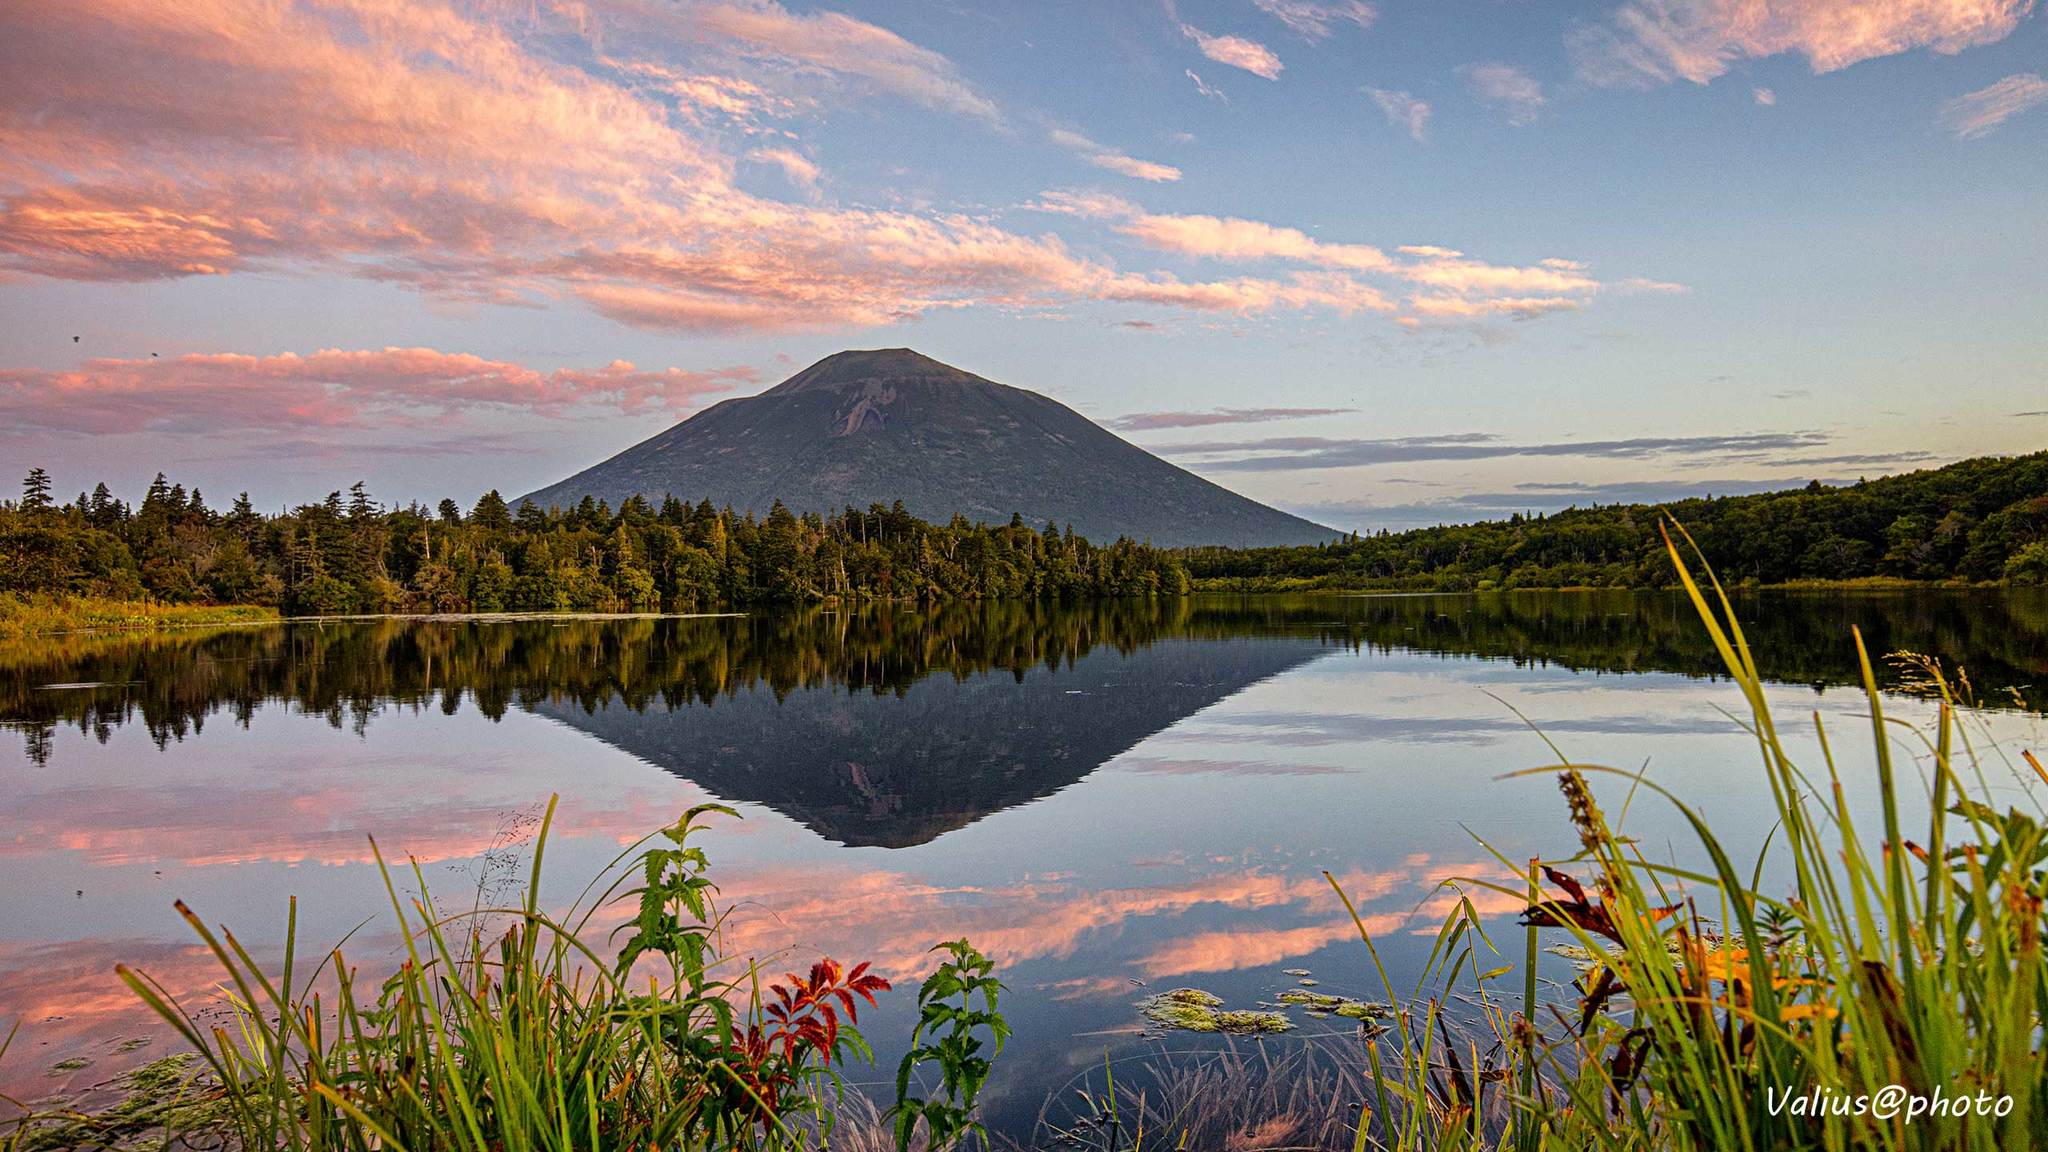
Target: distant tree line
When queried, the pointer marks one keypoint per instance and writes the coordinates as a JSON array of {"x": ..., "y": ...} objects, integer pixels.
[
  {"x": 347, "y": 554},
  {"x": 1977, "y": 520}
]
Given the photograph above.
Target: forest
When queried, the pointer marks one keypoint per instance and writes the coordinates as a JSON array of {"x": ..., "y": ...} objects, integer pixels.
[
  {"x": 1974, "y": 521},
  {"x": 350, "y": 555}
]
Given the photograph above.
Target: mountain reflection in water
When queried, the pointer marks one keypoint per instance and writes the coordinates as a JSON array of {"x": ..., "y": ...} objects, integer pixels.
[{"x": 172, "y": 682}]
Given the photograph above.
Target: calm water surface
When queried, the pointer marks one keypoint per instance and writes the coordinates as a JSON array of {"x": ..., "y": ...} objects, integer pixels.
[{"x": 1102, "y": 797}]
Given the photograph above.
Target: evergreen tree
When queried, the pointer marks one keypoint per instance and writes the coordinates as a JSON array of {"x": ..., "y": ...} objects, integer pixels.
[
  {"x": 490, "y": 512},
  {"x": 242, "y": 518},
  {"x": 35, "y": 491}
]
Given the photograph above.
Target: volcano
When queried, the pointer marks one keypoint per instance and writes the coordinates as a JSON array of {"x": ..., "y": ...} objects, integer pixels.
[{"x": 874, "y": 427}]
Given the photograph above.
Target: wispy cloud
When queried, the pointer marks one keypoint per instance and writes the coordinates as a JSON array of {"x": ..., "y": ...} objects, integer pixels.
[
  {"x": 1103, "y": 156},
  {"x": 794, "y": 165},
  {"x": 1764, "y": 97},
  {"x": 831, "y": 41},
  {"x": 1205, "y": 88},
  {"x": 1402, "y": 110},
  {"x": 1977, "y": 113},
  {"x": 1511, "y": 90},
  {"x": 1235, "y": 51},
  {"x": 1314, "y": 21},
  {"x": 1150, "y": 421},
  {"x": 334, "y": 388},
  {"x": 1862, "y": 460},
  {"x": 473, "y": 154},
  {"x": 1534, "y": 497},
  {"x": 1647, "y": 42},
  {"x": 1443, "y": 283},
  {"x": 1233, "y": 239},
  {"x": 1296, "y": 453}
]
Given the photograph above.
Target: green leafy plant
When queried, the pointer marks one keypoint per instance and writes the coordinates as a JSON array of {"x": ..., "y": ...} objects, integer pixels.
[
  {"x": 961, "y": 1038},
  {"x": 504, "y": 1030}
]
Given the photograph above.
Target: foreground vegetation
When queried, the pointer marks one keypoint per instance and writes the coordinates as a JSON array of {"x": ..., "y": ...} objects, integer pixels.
[
  {"x": 1718, "y": 1011},
  {"x": 1977, "y": 520},
  {"x": 348, "y": 555},
  {"x": 506, "y": 1028}
]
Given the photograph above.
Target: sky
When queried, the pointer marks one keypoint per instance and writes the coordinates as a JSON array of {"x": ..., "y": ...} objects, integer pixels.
[{"x": 1379, "y": 263}]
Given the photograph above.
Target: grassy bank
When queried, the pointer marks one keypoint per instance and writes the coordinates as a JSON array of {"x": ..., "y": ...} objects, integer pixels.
[
  {"x": 1887, "y": 996},
  {"x": 506, "y": 1028},
  {"x": 1346, "y": 582},
  {"x": 23, "y": 616}
]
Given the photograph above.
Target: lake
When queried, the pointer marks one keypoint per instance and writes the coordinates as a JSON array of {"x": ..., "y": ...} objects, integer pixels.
[{"x": 1111, "y": 799}]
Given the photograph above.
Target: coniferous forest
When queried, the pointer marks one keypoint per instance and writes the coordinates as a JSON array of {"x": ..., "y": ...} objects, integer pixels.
[
  {"x": 348, "y": 554},
  {"x": 1977, "y": 520}
]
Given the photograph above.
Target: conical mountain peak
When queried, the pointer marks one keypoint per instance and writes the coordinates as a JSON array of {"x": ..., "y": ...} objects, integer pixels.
[
  {"x": 858, "y": 367},
  {"x": 880, "y": 425}
]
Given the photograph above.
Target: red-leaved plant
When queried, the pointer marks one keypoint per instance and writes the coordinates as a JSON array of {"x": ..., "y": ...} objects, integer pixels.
[{"x": 800, "y": 1033}]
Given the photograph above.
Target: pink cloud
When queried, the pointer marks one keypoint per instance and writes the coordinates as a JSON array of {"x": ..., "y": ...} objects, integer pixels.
[
  {"x": 1238, "y": 52},
  {"x": 1452, "y": 284},
  {"x": 795, "y": 166},
  {"x": 1657, "y": 41},
  {"x": 1234, "y": 239},
  {"x": 1235, "y": 51},
  {"x": 388, "y": 388},
  {"x": 1508, "y": 88},
  {"x": 1402, "y": 110},
  {"x": 828, "y": 40},
  {"x": 433, "y": 146},
  {"x": 1103, "y": 156},
  {"x": 1150, "y": 421},
  {"x": 1977, "y": 113},
  {"x": 1313, "y": 21}
]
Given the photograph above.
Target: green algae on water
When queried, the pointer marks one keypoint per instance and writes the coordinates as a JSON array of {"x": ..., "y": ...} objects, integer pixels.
[
  {"x": 1193, "y": 1010},
  {"x": 1345, "y": 1006},
  {"x": 165, "y": 1098}
]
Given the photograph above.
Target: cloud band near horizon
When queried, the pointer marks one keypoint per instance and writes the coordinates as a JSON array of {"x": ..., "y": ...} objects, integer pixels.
[{"x": 380, "y": 389}]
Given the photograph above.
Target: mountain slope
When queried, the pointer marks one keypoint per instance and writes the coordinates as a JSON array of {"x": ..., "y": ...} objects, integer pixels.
[{"x": 885, "y": 425}]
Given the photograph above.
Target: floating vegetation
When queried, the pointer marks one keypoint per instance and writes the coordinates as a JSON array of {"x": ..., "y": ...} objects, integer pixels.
[
  {"x": 1294, "y": 971},
  {"x": 1322, "y": 1003},
  {"x": 1193, "y": 1010},
  {"x": 1308, "y": 983},
  {"x": 71, "y": 1065},
  {"x": 166, "y": 1100}
]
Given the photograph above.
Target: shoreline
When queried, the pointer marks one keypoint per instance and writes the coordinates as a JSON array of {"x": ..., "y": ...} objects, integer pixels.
[{"x": 139, "y": 617}]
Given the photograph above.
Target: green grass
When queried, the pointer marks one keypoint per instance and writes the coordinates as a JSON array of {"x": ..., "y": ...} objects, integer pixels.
[
  {"x": 1892, "y": 956},
  {"x": 509, "y": 1029},
  {"x": 22, "y": 617}
]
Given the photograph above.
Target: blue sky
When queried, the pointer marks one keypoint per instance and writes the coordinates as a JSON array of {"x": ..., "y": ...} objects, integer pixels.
[{"x": 1701, "y": 245}]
